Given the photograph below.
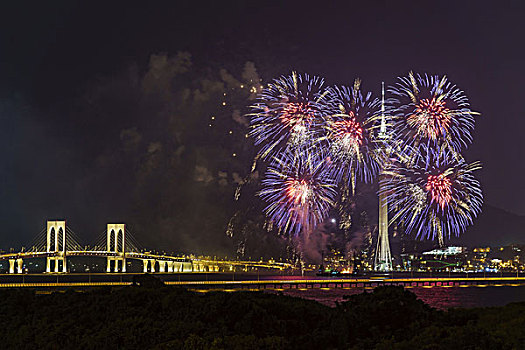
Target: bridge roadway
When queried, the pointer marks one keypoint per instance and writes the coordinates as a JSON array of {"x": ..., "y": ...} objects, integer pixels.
[
  {"x": 224, "y": 281},
  {"x": 152, "y": 262}
]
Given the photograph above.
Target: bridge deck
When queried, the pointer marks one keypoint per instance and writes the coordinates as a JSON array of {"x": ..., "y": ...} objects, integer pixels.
[{"x": 282, "y": 284}]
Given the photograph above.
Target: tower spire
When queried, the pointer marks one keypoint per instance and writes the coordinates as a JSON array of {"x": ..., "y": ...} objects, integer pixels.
[
  {"x": 382, "y": 130},
  {"x": 383, "y": 257}
]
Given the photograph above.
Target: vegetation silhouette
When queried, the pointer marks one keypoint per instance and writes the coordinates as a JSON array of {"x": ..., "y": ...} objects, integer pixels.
[{"x": 152, "y": 316}]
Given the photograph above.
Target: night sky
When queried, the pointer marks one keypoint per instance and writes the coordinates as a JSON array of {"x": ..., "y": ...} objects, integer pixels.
[{"x": 93, "y": 131}]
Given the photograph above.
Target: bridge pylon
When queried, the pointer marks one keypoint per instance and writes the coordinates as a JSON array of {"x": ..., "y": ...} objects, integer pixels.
[
  {"x": 116, "y": 243},
  {"x": 56, "y": 243}
]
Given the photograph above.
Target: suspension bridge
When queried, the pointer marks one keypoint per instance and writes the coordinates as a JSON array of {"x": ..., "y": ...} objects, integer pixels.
[{"x": 56, "y": 243}]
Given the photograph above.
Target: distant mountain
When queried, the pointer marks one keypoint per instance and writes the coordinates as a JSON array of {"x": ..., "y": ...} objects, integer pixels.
[{"x": 494, "y": 227}]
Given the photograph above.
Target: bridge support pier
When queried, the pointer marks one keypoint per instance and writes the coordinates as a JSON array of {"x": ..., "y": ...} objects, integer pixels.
[
  {"x": 149, "y": 265},
  {"x": 12, "y": 265},
  {"x": 19, "y": 262},
  {"x": 116, "y": 260},
  {"x": 56, "y": 259}
]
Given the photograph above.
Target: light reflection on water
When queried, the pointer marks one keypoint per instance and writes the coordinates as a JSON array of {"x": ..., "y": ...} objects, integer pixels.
[{"x": 438, "y": 297}]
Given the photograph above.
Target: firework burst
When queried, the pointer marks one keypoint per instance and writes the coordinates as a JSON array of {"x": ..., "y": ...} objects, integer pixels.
[
  {"x": 434, "y": 201},
  {"x": 430, "y": 114},
  {"x": 350, "y": 124},
  {"x": 288, "y": 113},
  {"x": 298, "y": 190}
]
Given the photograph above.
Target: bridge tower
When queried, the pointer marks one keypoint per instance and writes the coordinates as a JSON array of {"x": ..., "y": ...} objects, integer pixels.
[
  {"x": 56, "y": 245},
  {"x": 116, "y": 243}
]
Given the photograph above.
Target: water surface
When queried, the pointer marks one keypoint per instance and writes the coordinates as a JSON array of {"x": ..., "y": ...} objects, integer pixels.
[{"x": 439, "y": 297}]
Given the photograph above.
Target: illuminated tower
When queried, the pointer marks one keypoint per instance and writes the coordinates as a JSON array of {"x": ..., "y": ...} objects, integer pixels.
[
  {"x": 383, "y": 258},
  {"x": 116, "y": 244},
  {"x": 56, "y": 246}
]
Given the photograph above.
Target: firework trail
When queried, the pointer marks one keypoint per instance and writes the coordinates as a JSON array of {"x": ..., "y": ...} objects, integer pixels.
[
  {"x": 351, "y": 124},
  {"x": 288, "y": 113},
  {"x": 431, "y": 115},
  {"x": 298, "y": 190},
  {"x": 434, "y": 200}
]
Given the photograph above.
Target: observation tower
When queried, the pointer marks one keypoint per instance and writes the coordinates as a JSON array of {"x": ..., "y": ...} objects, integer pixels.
[{"x": 383, "y": 257}]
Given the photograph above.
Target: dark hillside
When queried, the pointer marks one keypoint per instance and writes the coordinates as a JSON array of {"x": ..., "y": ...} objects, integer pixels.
[{"x": 171, "y": 318}]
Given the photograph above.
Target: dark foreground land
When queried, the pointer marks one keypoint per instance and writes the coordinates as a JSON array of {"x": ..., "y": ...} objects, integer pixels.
[{"x": 159, "y": 317}]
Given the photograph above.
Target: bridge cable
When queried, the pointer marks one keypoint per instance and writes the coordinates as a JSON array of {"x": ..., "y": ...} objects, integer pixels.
[
  {"x": 101, "y": 242},
  {"x": 39, "y": 242},
  {"x": 132, "y": 243},
  {"x": 72, "y": 240}
]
